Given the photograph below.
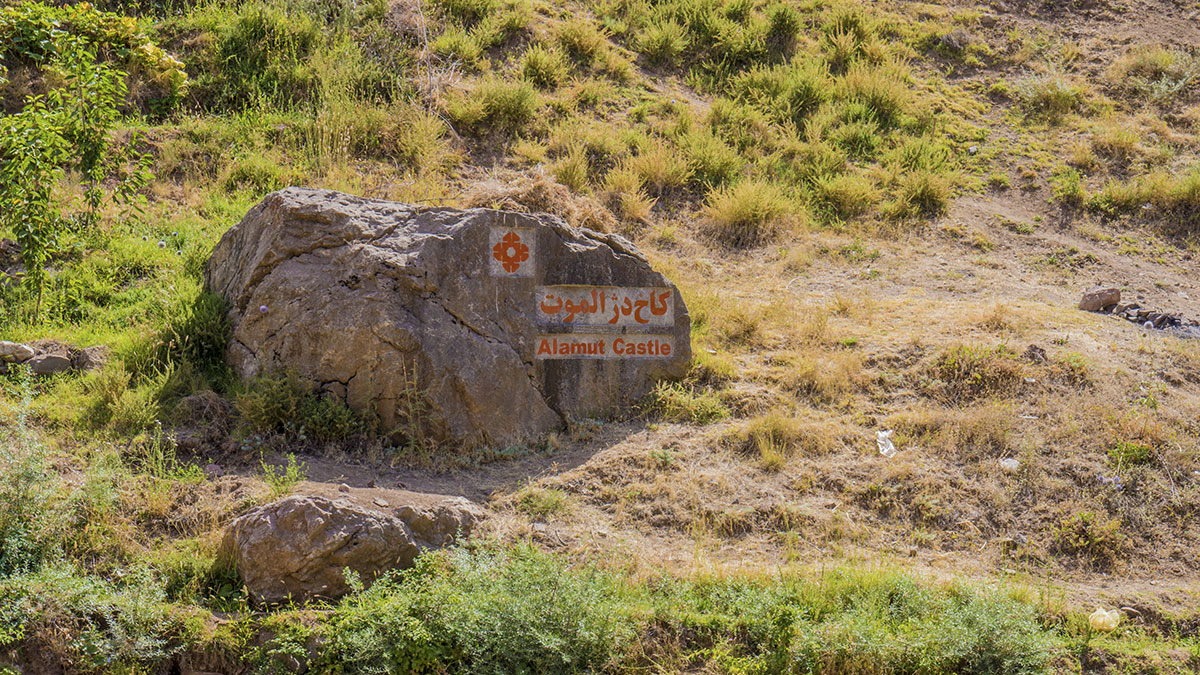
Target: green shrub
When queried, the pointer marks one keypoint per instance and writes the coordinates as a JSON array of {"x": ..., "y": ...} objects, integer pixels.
[
  {"x": 545, "y": 68},
  {"x": 788, "y": 93},
  {"x": 496, "y": 611},
  {"x": 455, "y": 43},
  {"x": 675, "y": 402},
  {"x": 272, "y": 401},
  {"x": 971, "y": 371},
  {"x": 1067, "y": 184},
  {"x": 860, "y": 139},
  {"x": 663, "y": 42},
  {"x": 543, "y": 503},
  {"x": 1128, "y": 453},
  {"x": 32, "y": 519},
  {"x": 881, "y": 89},
  {"x": 572, "y": 169},
  {"x": 1050, "y": 95},
  {"x": 1087, "y": 537},
  {"x": 263, "y": 52},
  {"x": 94, "y": 624},
  {"x": 281, "y": 479},
  {"x": 257, "y": 174},
  {"x": 581, "y": 39},
  {"x": 468, "y": 11},
  {"x": 198, "y": 335},
  {"x": 282, "y": 401},
  {"x": 496, "y": 104},
  {"x": 747, "y": 214},
  {"x": 660, "y": 167},
  {"x": 847, "y": 195},
  {"x": 713, "y": 163},
  {"x": 921, "y": 193}
]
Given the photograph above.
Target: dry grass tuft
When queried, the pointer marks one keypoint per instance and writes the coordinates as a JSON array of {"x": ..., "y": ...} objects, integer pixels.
[{"x": 539, "y": 193}]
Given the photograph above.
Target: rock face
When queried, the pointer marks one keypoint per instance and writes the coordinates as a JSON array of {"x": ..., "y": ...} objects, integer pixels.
[
  {"x": 1098, "y": 298},
  {"x": 296, "y": 549},
  {"x": 492, "y": 327}
]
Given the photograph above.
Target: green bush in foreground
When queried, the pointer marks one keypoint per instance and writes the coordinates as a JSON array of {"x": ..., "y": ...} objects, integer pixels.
[
  {"x": 520, "y": 610},
  {"x": 517, "y": 611}
]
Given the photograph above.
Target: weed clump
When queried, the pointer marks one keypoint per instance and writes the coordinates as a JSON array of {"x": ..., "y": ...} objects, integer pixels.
[
  {"x": 966, "y": 372},
  {"x": 282, "y": 402},
  {"x": 1090, "y": 539},
  {"x": 675, "y": 402},
  {"x": 543, "y": 67},
  {"x": 747, "y": 214},
  {"x": 495, "y": 104}
]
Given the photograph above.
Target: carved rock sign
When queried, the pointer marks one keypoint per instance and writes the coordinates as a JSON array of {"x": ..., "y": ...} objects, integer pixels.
[{"x": 506, "y": 322}]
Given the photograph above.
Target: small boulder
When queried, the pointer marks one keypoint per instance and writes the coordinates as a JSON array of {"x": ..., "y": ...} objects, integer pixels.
[
  {"x": 92, "y": 358},
  {"x": 296, "y": 549},
  {"x": 957, "y": 40},
  {"x": 15, "y": 352},
  {"x": 50, "y": 363},
  {"x": 442, "y": 523},
  {"x": 1099, "y": 297}
]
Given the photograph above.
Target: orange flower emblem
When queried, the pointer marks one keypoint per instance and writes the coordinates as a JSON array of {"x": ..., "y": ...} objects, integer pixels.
[{"x": 510, "y": 252}]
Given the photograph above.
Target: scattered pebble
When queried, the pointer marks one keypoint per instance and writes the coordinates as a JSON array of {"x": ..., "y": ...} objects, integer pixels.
[
  {"x": 343, "y": 488},
  {"x": 1010, "y": 465}
]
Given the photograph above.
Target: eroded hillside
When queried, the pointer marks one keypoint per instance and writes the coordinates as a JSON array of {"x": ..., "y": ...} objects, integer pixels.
[{"x": 880, "y": 215}]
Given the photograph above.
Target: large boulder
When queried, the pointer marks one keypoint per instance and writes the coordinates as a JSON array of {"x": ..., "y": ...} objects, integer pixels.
[
  {"x": 296, "y": 549},
  {"x": 492, "y": 327}
]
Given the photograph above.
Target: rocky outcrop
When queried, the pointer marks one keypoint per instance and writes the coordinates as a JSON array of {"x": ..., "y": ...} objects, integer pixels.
[{"x": 490, "y": 327}]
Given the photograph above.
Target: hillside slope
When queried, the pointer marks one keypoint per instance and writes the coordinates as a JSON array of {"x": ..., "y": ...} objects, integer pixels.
[{"x": 881, "y": 216}]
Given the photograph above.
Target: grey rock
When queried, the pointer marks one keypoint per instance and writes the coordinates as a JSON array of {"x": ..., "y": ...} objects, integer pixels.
[
  {"x": 442, "y": 523},
  {"x": 296, "y": 549},
  {"x": 394, "y": 307},
  {"x": 51, "y": 363},
  {"x": 15, "y": 352},
  {"x": 92, "y": 358},
  {"x": 957, "y": 40},
  {"x": 1097, "y": 298}
]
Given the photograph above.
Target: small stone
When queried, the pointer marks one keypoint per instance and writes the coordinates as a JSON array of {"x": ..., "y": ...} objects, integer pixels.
[
  {"x": 974, "y": 149},
  {"x": 1010, "y": 465},
  {"x": 343, "y": 488},
  {"x": 92, "y": 358},
  {"x": 15, "y": 352},
  {"x": 213, "y": 471},
  {"x": 1148, "y": 324},
  {"x": 381, "y": 503},
  {"x": 1096, "y": 298},
  {"x": 371, "y": 483},
  {"x": 49, "y": 364},
  {"x": 957, "y": 40}
]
